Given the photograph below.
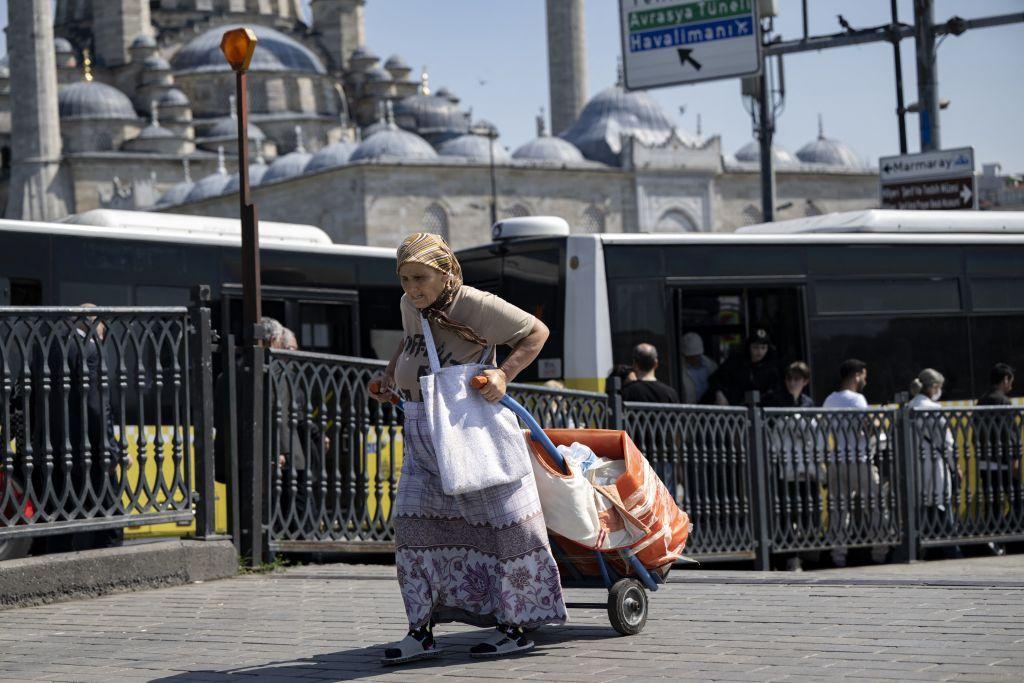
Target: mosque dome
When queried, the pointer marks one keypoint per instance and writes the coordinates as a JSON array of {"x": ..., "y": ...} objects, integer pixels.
[
  {"x": 446, "y": 93},
  {"x": 331, "y": 156},
  {"x": 93, "y": 100},
  {"x": 213, "y": 185},
  {"x": 274, "y": 52},
  {"x": 375, "y": 127},
  {"x": 361, "y": 58},
  {"x": 155, "y": 131},
  {"x": 379, "y": 74},
  {"x": 173, "y": 98},
  {"x": 751, "y": 153},
  {"x": 144, "y": 40},
  {"x": 395, "y": 62},
  {"x": 612, "y": 113},
  {"x": 547, "y": 148},
  {"x": 227, "y": 127},
  {"x": 257, "y": 171},
  {"x": 176, "y": 194},
  {"x": 62, "y": 46},
  {"x": 392, "y": 142},
  {"x": 287, "y": 166},
  {"x": 156, "y": 63},
  {"x": 473, "y": 148},
  {"x": 430, "y": 114},
  {"x": 828, "y": 151}
]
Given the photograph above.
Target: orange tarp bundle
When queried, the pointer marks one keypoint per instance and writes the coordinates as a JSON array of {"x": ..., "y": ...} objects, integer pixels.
[{"x": 642, "y": 497}]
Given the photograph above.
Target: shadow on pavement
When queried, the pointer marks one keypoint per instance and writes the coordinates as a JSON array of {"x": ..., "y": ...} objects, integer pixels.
[{"x": 363, "y": 662}]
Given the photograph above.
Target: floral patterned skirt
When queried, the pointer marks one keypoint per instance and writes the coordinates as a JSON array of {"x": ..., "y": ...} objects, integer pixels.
[{"x": 480, "y": 558}]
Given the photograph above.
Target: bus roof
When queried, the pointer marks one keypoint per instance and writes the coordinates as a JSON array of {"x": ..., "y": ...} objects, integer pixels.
[
  {"x": 200, "y": 230},
  {"x": 883, "y": 221}
]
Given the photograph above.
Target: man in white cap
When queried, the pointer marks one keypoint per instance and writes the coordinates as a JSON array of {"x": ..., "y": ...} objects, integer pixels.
[{"x": 697, "y": 368}]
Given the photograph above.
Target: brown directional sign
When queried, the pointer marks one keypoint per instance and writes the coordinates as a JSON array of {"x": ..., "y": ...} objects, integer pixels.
[
  {"x": 943, "y": 179},
  {"x": 952, "y": 193}
]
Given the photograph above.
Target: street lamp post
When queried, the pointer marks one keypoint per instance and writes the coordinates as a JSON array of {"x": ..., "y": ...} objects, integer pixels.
[{"x": 238, "y": 46}]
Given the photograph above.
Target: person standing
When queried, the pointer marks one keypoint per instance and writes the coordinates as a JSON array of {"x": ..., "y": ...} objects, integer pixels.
[
  {"x": 697, "y": 368},
  {"x": 752, "y": 369},
  {"x": 483, "y": 557},
  {"x": 853, "y": 481},
  {"x": 937, "y": 469},
  {"x": 998, "y": 445},
  {"x": 647, "y": 388}
]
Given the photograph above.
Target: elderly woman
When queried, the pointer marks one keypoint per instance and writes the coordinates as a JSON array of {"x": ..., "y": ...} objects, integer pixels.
[
  {"x": 938, "y": 468},
  {"x": 481, "y": 558}
]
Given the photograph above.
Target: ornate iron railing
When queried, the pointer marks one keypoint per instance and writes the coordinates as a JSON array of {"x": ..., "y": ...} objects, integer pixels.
[{"x": 95, "y": 419}]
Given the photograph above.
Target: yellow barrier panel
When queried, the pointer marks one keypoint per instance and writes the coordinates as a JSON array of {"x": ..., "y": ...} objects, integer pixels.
[{"x": 390, "y": 457}]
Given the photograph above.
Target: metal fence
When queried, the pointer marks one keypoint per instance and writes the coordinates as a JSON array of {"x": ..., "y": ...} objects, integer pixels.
[
  {"x": 701, "y": 453},
  {"x": 967, "y": 473},
  {"x": 95, "y": 416},
  {"x": 832, "y": 478},
  {"x": 332, "y": 455}
]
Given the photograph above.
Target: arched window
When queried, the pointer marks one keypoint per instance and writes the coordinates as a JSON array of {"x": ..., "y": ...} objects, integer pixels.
[
  {"x": 675, "y": 220},
  {"x": 435, "y": 219},
  {"x": 517, "y": 211},
  {"x": 593, "y": 220}
]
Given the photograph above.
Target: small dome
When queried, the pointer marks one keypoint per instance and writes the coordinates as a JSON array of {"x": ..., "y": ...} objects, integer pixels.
[
  {"x": 94, "y": 100},
  {"x": 473, "y": 148},
  {"x": 446, "y": 92},
  {"x": 156, "y": 63},
  {"x": 228, "y": 127},
  {"x": 62, "y": 46},
  {"x": 484, "y": 127},
  {"x": 751, "y": 153},
  {"x": 374, "y": 128},
  {"x": 828, "y": 151},
  {"x": 547, "y": 148},
  {"x": 613, "y": 113},
  {"x": 213, "y": 185},
  {"x": 287, "y": 166},
  {"x": 379, "y": 74},
  {"x": 154, "y": 132},
  {"x": 331, "y": 156},
  {"x": 144, "y": 40},
  {"x": 173, "y": 98},
  {"x": 274, "y": 52},
  {"x": 395, "y": 62},
  {"x": 392, "y": 142},
  {"x": 176, "y": 194},
  {"x": 430, "y": 114},
  {"x": 363, "y": 56},
  {"x": 257, "y": 171}
]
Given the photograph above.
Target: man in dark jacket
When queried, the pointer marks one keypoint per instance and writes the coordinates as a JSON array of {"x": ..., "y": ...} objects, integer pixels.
[
  {"x": 999, "y": 449},
  {"x": 754, "y": 368}
]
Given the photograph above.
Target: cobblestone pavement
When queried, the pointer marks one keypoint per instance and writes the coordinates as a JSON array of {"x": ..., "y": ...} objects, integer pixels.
[{"x": 952, "y": 620}]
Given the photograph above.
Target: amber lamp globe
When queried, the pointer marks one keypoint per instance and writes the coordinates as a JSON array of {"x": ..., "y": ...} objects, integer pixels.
[{"x": 238, "y": 45}]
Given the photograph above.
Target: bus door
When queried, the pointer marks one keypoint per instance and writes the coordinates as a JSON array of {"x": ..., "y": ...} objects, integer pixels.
[
  {"x": 323, "y": 320},
  {"x": 725, "y": 313}
]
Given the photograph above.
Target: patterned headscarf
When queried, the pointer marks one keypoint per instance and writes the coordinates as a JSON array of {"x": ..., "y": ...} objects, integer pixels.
[{"x": 430, "y": 250}]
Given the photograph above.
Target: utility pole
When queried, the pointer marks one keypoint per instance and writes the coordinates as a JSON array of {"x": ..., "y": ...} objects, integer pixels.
[
  {"x": 927, "y": 81},
  {"x": 765, "y": 133},
  {"x": 901, "y": 111}
]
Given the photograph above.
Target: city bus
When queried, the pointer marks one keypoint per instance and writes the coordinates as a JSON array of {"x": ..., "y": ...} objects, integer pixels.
[
  {"x": 900, "y": 290},
  {"x": 338, "y": 299}
]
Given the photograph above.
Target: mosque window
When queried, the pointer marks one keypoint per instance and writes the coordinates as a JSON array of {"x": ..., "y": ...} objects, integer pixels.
[
  {"x": 593, "y": 220},
  {"x": 307, "y": 100},
  {"x": 277, "y": 96},
  {"x": 435, "y": 219},
  {"x": 675, "y": 220}
]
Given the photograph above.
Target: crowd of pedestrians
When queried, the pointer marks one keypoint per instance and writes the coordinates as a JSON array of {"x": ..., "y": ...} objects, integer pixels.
[{"x": 826, "y": 470}]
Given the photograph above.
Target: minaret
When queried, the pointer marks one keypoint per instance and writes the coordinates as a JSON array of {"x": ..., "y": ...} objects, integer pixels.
[
  {"x": 339, "y": 27},
  {"x": 40, "y": 189},
  {"x": 567, "y": 62}
]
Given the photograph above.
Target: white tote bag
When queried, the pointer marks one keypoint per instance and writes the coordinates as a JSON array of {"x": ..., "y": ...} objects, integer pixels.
[{"x": 478, "y": 444}]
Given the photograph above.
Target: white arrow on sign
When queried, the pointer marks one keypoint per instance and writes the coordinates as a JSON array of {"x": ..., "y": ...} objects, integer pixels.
[{"x": 966, "y": 194}]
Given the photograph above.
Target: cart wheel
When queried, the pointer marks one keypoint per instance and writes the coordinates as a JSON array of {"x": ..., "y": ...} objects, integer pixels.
[{"x": 627, "y": 607}]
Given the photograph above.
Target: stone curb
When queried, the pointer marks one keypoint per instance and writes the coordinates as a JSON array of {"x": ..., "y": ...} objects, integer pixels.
[{"x": 91, "y": 573}]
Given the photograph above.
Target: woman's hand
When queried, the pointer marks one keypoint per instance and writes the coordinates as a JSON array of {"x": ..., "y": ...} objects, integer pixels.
[
  {"x": 496, "y": 385},
  {"x": 381, "y": 385}
]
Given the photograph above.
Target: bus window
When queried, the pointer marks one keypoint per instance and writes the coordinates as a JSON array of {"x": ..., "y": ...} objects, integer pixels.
[
  {"x": 996, "y": 339},
  {"x": 25, "y": 292},
  {"x": 326, "y": 328}
]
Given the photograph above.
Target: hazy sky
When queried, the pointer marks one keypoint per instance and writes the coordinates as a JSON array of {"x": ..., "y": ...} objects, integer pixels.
[{"x": 492, "y": 53}]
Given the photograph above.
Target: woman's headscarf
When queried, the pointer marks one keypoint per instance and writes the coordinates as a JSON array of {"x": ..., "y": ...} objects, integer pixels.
[{"x": 430, "y": 250}]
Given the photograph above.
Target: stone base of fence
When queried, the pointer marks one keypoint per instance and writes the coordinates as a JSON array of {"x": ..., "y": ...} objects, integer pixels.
[{"x": 90, "y": 573}]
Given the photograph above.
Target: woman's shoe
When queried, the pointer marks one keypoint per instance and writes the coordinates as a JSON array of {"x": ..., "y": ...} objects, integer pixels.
[
  {"x": 419, "y": 644},
  {"x": 506, "y": 640}
]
